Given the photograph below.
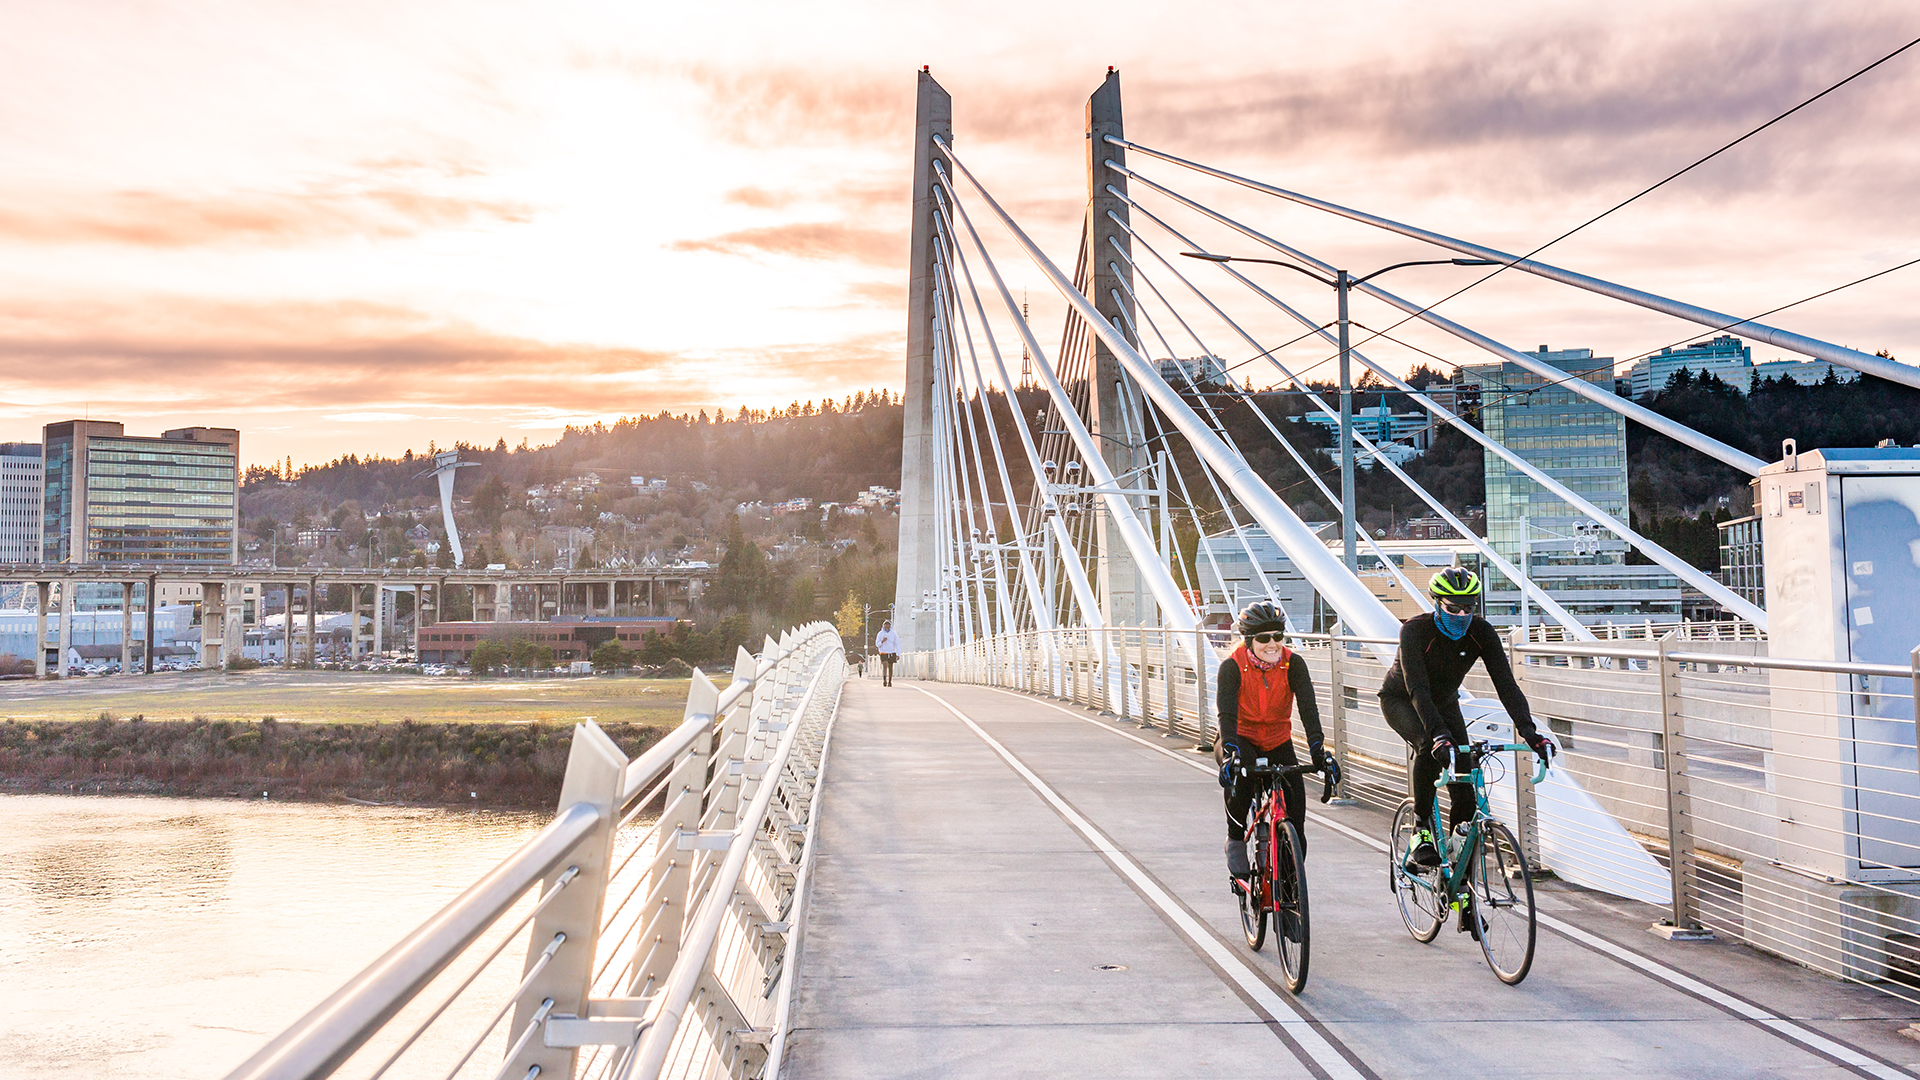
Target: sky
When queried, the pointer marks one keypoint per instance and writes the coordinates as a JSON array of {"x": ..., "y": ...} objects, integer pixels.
[{"x": 364, "y": 227}]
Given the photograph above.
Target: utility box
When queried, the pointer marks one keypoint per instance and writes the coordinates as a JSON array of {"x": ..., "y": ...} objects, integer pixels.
[{"x": 1841, "y": 535}]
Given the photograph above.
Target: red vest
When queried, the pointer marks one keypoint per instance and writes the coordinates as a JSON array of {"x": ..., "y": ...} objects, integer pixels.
[{"x": 1265, "y": 715}]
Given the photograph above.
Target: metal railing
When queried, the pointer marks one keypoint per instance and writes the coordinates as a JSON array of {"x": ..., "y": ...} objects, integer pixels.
[
  {"x": 659, "y": 911},
  {"x": 1780, "y": 797}
]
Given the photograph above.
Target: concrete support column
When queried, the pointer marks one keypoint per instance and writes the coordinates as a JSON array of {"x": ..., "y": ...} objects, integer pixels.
[
  {"x": 67, "y": 592},
  {"x": 153, "y": 603},
  {"x": 213, "y": 623},
  {"x": 1113, "y": 404},
  {"x": 126, "y": 627},
  {"x": 920, "y": 504},
  {"x": 380, "y": 599},
  {"x": 313, "y": 607},
  {"x": 45, "y": 592},
  {"x": 503, "y": 603}
]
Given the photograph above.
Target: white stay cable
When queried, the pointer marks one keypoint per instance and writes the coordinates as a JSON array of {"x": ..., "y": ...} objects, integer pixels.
[
  {"x": 1226, "y": 505},
  {"x": 973, "y": 432},
  {"x": 1120, "y": 511},
  {"x": 1035, "y": 593},
  {"x": 1879, "y": 366},
  {"x": 1604, "y": 397},
  {"x": 968, "y": 553},
  {"x": 1419, "y": 595},
  {"x": 1347, "y": 594},
  {"x": 1715, "y": 591},
  {"x": 1512, "y": 573},
  {"x": 1551, "y": 607},
  {"x": 1070, "y": 558}
]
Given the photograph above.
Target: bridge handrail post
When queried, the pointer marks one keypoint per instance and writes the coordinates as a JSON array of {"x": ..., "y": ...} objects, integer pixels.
[
  {"x": 1681, "y": 863},
  {"x": 1166, "y": 678},
  {"x": 1337, "y": 725},
  {"x": 732, "y": 746},
  {"x": 1525, "y": 801},
  {"x": 561, "y": 980},
  {"x": 1202, "y": 651},
  {"x": 664, "y": 919}
]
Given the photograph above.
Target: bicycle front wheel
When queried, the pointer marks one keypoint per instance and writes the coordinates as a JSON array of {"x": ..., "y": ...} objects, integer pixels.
[
  {"x": 1502, "y": 900},
  {"x": 1423, "y": 905},
  {"x": 1291, "y": 928},
  {"x": 1253, "y": 892}
]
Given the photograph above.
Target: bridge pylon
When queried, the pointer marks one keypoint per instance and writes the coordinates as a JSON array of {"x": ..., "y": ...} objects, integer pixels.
[
  {"x": 920, "y": 505},
  {"x": 1113, "y": 401}
]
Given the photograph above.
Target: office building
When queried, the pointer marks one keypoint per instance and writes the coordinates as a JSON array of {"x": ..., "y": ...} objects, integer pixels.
[
  {"x": 113, "y": 497},
  {"x": 1804, "y": 372},
  {"x": 1742, "y": 565},
  {"x": 1725, "y": 357},
  {"x": 21, "y": 483},
  {"x": 1201, "y": 370},
  {"x": 1401, "y": 436},
  {"x": 1583, "y": 445}
]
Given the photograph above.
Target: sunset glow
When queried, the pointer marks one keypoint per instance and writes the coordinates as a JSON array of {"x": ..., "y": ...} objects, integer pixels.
[{"x": 361, "y": 227}]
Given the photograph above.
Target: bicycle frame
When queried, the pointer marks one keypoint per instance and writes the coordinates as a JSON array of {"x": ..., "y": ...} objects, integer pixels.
[{"x": 1453, "y": 865}]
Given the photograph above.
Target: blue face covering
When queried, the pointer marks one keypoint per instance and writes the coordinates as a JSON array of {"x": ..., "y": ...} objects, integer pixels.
[{"x": 1454, "y": 626}]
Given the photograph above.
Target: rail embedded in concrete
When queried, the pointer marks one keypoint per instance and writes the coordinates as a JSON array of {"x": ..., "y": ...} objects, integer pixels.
[
  {"x": 618, "y": 978},
  {"x": 1766, "y": 799}
]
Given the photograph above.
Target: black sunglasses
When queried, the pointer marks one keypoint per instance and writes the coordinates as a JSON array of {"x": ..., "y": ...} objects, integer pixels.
[
  {"x": 1457, "y": 607},
  {"x": 1268, "y": 638}
]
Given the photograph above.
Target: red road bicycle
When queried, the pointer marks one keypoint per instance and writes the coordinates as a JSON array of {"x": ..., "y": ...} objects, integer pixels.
[{"x": 1278, "y": 885}]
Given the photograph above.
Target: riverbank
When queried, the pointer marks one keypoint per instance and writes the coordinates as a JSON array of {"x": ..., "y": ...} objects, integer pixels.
[{"x": 516, "y": 766}]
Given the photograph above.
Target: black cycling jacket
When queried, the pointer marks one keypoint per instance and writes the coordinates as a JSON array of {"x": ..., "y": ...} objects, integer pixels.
[{"x": 1430, "y": 667}]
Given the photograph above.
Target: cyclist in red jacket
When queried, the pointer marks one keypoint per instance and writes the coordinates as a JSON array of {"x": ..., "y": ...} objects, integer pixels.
[{"x": 1260, "y": 686}]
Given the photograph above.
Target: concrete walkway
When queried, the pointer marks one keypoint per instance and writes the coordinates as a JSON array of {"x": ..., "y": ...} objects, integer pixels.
[{"x": 1009, "y": 887}]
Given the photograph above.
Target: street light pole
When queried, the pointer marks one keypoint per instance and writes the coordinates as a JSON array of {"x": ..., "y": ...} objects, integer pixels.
[
  {"x": 1342, "y": 282},
  {"x": 1348, "y": 543}
]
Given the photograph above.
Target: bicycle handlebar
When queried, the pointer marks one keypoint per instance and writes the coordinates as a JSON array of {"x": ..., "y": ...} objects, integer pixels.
[
  {"x": 1257, "y": 769},
  {"x": 1483, "y": 749}
]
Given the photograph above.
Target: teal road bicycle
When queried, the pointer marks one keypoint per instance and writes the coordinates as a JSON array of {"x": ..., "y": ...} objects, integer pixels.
[{"x": 1483, "y": 875}]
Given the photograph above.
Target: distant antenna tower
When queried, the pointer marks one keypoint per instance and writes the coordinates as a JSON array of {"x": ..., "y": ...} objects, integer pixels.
[{"x": 1026, "y": 358}]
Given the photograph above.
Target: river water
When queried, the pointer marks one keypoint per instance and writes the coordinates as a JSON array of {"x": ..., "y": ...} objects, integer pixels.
[{"x": 148, "y": 937}]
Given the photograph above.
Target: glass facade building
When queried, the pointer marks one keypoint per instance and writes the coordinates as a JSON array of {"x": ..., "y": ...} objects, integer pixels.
[
  {"x": 112, "y": 497},
  {"x": 21, "y": 481},
  {"x": 1742, "y": 567},
  {"x": 1583, "y": 445}
]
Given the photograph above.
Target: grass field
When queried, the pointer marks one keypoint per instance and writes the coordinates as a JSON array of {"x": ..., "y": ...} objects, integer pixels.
[{"x": 349, "y": 697}]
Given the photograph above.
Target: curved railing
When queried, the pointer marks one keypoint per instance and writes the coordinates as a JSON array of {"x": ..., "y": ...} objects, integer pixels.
[{"x": 658, "y": 912}]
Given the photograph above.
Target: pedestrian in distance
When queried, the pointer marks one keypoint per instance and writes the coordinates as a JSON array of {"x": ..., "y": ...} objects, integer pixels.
[{"x": 887, "y": 644}]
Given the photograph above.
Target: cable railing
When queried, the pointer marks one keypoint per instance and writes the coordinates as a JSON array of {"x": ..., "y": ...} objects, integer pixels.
[
  {"x": 1770, "y": 800},
  {"x": 658, "y": 915}
]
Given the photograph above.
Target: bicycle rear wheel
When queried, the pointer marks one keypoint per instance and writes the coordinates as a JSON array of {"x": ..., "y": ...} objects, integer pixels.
[
  {"x": 1253, "y": 892},
  {"x": 1422, "y": 901},
  {"x": 1501, "y": 886},
  {"x": 1291, "y": 928}
]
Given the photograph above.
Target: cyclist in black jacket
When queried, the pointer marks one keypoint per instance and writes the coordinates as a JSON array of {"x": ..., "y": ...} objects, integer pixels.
[{"x": 1421, "y": 695}]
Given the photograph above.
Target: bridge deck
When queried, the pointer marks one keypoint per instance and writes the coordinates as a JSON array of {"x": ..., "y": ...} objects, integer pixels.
[{"x": 1056, "y": 905}]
